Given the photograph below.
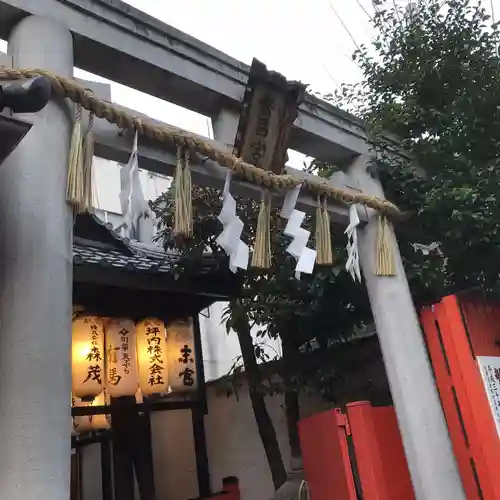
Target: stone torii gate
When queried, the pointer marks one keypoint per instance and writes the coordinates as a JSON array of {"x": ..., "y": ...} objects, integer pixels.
[{"x": 115, "y": 41}]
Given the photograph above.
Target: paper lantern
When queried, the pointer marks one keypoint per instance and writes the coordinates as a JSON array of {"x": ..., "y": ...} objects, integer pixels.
[
  {"x": 139, "y": 399},
  {"x": 121, "y": 371},
  {"x": 82, "y": 423},
  {"x": 181, "y": 356},
  {"x": 87, "y": 356},
  {"x": 87, "y": 423},
  {"x": 100, "y": 422},
  {"x": 152, "y": 357}
]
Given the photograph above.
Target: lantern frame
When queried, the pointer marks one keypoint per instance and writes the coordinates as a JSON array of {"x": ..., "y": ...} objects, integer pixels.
[{"x": 116, "y": 278}]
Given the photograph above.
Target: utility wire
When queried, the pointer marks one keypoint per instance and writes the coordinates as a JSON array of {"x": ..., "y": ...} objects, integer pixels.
[
  {"x": 344, "y": 26},
  {"x": 364, "y": 10},
  {"x": 396, "y": 11},
  {"x": 332, "y": 78}
]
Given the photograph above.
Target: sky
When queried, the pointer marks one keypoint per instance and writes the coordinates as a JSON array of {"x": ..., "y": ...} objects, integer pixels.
[
  {"x": 305, "y": 41},
  {"x": 311, "y": 40}
]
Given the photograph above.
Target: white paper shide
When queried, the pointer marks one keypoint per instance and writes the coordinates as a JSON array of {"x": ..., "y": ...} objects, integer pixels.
[
  {"x": 230, "y": 238},
  {"x": 352, "y": 264},
  {"x": 132, "y": 200},
  {"x": 305, "y": 257}
]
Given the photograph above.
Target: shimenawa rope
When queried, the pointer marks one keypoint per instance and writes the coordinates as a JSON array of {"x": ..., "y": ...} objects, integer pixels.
[{"x": 180, "y": 138}]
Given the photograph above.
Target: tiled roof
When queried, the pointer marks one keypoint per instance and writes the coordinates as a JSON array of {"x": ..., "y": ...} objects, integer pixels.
[
  {"x": 87, "y": 254},
  {"x": 114, "y": 275},
  {"x": 95, "y": 243}
]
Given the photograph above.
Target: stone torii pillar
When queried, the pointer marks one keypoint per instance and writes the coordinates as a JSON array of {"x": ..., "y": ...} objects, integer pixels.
[
  {"x": 36, "y": 284},
  {"x": 421, "y": 420}
]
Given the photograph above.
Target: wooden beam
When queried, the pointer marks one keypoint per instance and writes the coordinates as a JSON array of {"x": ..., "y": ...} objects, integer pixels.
[{"x": 141, "y": 407}]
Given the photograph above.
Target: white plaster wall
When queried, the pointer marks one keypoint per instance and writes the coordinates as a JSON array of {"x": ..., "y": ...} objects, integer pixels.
[
  {"x": 233, "y": 442},
  {"x": 107, "y": 185},
  {"x": 91, "y": 473},
  {"x": 90, "y": 457},
  {"x": 234, "y": 445},
  {"x": 220, "y": 349},
  {"x": 173, "y": 455}
]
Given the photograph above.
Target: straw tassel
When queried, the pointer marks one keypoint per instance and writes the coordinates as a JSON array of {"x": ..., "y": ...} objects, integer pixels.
[
  {"x": 323, "y": 236},
  {"x": 88, "y": 158},
  {"x": 261, "y": 258},
  {"x": 183, "y": 219},
  {"x": 385, "y": 264},
  {"x": 75, "y": 183}
]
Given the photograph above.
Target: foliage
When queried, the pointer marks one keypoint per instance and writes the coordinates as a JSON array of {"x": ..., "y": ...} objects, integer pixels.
[
  {"x": 324, "y": 306},
  {"x": 432, "y": 78}
]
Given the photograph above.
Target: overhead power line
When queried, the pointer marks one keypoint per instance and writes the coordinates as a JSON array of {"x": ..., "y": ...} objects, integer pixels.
[
  {"x": 348, "y": 31},
  {"x": 364, "y": 10}
]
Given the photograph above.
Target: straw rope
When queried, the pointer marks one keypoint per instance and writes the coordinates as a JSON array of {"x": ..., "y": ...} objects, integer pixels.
[
  {"x": 385, "y": 260},
  {"x": 179, "y": 138},
  {"x": 75, "y": 186},
  {"x": 88, "y": 160},
  {"x": 262, "y": 254},
  {"x": 323, "y": 235},
  {"x": 183, "y": 218}
]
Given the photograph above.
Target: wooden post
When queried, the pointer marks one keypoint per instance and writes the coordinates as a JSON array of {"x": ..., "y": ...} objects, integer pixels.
[
  {"x": 123, "y": 465},
  {"x": 200, "y": 448}
]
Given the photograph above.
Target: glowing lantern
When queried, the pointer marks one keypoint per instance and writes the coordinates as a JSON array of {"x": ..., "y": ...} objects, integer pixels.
[
  {"x": 82, "y": 423},
  {"x": 87, "y": 356},
  {"x": 152, "y": 357},
  {"x": 181, "y": 356},
  {"x": 121, "y": 370},
  {"x": 98, "y": 422},
  {"x": 139, "y": 399}
]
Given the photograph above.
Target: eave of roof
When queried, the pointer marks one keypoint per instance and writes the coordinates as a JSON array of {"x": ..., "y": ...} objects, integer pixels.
[{"x": 103, "y": 258}]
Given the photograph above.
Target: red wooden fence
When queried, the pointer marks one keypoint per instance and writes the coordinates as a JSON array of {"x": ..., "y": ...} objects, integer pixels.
[
  {"x": 323, "y": 452},
  {"x": 378, "y": 454},
  {"x": 380, "y": 458},
  {"x": 458, "y": 330}
]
